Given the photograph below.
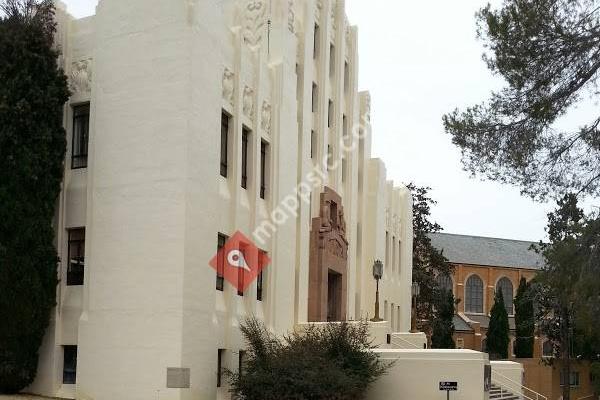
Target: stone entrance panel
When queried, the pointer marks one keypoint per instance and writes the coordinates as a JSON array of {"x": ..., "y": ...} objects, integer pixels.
[{"x": 327, "y": 290}]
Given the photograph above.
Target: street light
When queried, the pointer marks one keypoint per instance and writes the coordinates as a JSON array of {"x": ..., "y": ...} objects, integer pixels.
[
  {"x": 377, "y": 275},
  {"x": 415, "y": 290}
]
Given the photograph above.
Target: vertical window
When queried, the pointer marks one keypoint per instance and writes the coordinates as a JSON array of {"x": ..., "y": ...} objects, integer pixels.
[
  {"x": 69, "y": 365},
  {"x": 316, "y": 40},
  {"x": 224, "y": 142},
  {"x": 264, "y": 153},
  {"x": 245, "y": 142},
  {"x": 329, "y": 157},
  {"x": 547, "y": 349},
  {"x": 221, "y": 239},
  {"x": 240, "y": 286},
  {"x": 474, "y": 295},
  {"x": 387, "y": 250},
  {"x": 312, "y": 143},
  {"x": 220, "y": 354},
  {"x": 81, "y": 130},
  {"x": 331, "y": 60},
  {"x": 344, "y": 169},
  {"x": 573, "y": 379},
  {"x": 330, "y": 114},
  {"x": 346, "y": 76},
  {"x": 444, "y": 282},
  {"x": 399, "y": 257},
  {"x": 76, "y": 252},
  {"x": 506, "y": 288},
  {"x": 259, "y": 279},
  {"x": 315, "y": 97},
  {"x": 241, "y": 356}
]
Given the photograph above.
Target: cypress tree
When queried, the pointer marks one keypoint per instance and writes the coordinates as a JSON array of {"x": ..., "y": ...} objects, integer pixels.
[
  {"x": 443, "y": 326},
  {"x": 524, "y": 321},
  {"x": 33, "y": 91},
  {"x": 497, "y": 334}
]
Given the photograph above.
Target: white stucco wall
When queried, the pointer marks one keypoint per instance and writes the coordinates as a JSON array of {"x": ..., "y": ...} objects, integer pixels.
[
  {"x": 416, "y": 374},
  {"x": 157, "y": 75}
]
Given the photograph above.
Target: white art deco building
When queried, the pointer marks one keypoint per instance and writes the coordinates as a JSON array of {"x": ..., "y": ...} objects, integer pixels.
[{"x": 189, "y": 121}]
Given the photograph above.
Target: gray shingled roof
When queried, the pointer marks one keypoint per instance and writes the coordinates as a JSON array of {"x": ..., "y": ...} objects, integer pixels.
[
  {"x": 460, "y": 325},
  {"x": 477, "y": 250}
]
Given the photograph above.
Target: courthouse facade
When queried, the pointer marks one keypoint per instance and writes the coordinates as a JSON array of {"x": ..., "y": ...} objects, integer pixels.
[{"x": 190, "y": 121}]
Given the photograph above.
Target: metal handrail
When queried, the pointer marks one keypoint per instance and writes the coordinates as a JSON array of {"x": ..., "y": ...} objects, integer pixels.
[
  {"x": 538, "y": 396},
  {"x": 511, "y": 391},
  {"x": 591, "y": 396}
]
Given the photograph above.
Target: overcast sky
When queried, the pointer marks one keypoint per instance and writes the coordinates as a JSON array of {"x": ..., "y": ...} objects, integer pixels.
[{"x": 421, "y": 60}]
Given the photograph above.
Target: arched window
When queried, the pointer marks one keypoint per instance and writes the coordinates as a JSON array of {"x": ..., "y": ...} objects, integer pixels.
[
  {"x": 547, "y": 349},
  {"x": 474, "y": 295},
  {"x": 506, "y": 287},
  {"x": 444, "y": 282}
]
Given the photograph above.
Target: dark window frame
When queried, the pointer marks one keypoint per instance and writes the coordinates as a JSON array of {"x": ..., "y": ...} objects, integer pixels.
[
  {"x": 474, "y": 295},
  {"x": 225, "y": 120},
  {"x": 316, "y": 41},
  {"x": 315, "y": 98},
  {"x": 505, "y": 285},
  {"x": 220, "y": 353},
  {"x": 69, "y": 364},
  {"x": 76, "y": 262},
  {"x": 260, "y": 284},
  {"x": 264, "y": 153},
  {"x": 80, "y": 136},
  {"x": 220, "y": 282},
  {"x": 246, "y": 132}
]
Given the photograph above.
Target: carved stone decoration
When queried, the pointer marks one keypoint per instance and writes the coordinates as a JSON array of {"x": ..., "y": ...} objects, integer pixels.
[
  {"x": 328, "y": 262},
  {"x": 366, "y": 116},
  {"x": 265, "y": 117},
  {"x": 332, "y": 16},
  {"x": 81, "y": 76},
  {"x": 348, "y": 37},
  {"x": 228, "y": 85},
  {"x": 254, "y": 21},
  {"x": 291, "y": 17},
  {"x": 248, "y": 102},
  {"x": 318, "y": 10}
]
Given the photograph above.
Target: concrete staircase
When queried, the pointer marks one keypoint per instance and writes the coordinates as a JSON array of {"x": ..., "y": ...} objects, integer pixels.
[{"x": 498, "y": 393}]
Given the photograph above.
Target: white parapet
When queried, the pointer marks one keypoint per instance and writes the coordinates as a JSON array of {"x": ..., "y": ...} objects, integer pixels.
[
  {"x": 408, "y": 340},
  {"x": 416, "y": 374}
]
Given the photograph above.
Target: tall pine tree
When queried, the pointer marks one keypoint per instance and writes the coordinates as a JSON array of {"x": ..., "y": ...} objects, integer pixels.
[
  {"x": 497, "y": 334},
  {"x": 33, "y": 91},
  {"x": 524, "y": 321}
]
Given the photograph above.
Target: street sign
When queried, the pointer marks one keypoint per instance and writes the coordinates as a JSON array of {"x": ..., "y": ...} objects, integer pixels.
[{"x": 449, "y": 386}]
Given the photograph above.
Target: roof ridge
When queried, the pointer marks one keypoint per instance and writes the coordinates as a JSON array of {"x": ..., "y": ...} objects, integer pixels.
[{"x": 483, "y": 237}]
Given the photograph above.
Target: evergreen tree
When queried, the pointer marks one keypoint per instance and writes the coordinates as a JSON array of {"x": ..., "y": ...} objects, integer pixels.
[
  {"x": 497, "y": 334},
  {"x": 33, "y": 91},
  {"x": 524, "y": 321},
  {"x": 547, "y": 53},
  {"x": 567, "y": 288},
  {"x": 443, "y": 326},
  {"x": 428, "y": 262}
]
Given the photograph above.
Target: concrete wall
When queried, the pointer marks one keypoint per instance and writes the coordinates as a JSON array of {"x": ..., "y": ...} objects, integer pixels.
[{"x": 416, "y": 374}]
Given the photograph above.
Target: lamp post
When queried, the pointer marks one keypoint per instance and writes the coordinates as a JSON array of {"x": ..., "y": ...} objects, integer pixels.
[
  {"x": 377, "y": 275},
  {"x": 415, "y": 289}
]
